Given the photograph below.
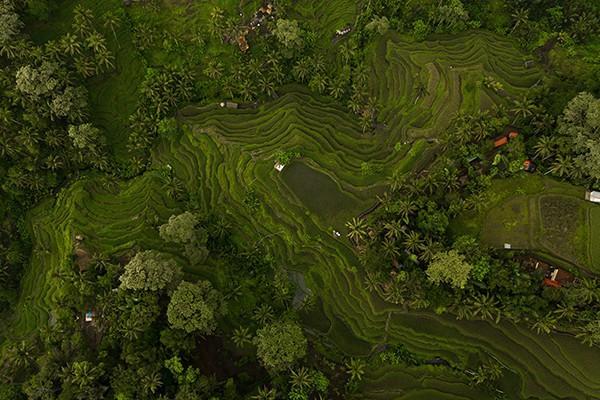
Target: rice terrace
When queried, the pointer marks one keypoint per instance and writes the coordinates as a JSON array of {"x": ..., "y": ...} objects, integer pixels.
[{"x": 299, "y": 199}]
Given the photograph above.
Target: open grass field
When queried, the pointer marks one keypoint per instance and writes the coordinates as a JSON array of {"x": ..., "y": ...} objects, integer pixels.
[
  {"x": 541, "y": 214},
  {"x": 224, "y": 152}
]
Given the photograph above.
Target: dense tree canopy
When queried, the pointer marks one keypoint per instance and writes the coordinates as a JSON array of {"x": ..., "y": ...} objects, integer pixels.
[
  {"x": 149, "y": 270},
  {"x": 580, "y": 124},
  {"x": 449, "y": 267},
  {"x": 280, "y": 345},
  {"x": 195, "y": 307}
]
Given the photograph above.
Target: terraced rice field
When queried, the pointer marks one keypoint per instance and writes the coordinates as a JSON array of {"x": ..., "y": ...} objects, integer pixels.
[
  {"x": 452, "y": 69},
  {"x": 222, "y": 153}
]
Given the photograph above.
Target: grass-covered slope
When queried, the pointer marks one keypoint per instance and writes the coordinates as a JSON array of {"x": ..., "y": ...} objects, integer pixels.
[{"x": 221, "y": 155}]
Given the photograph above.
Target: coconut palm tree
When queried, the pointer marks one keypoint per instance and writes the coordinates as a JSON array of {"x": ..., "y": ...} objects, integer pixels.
[
  {"x": 357, "y": 230},
  {"x": 301, "y": 70},
  {"x": 485, "y": 306},
  {"x": 430, "y": 248},
  {"x": 562, "y": 165},
  {"x": 241, "y": 336},
  {"x": 587, "y": 291},
  {"x": 590, "y": 333},
  {"x": 95, "y": 41},
  {"x": 356, "y": 369},
  {"x": 522, "y": 108},
  {"x": 406, "y": 208},
  {"x": 214, "y": 69},
  {"x": 84, "y": 66},
  {"x": 20, "y": 355},
  {"x": 150, "y": 382},
  {"x": 520, "y": 17},
  {"x": 390, "y": 250},
  {"x": 301, "y": 379},
  {"x": 372, "y": 280},
  {"x": 132, "y": 329},
  {"x": 413, "y": 242},
  {"x": 394, "y": 229},
  {"x": 337, "y": 88},
  {"x": 265, "y": 393},
  {"x": 566, "y": 312},
  {"x": 266, "y": 86},
  {"x": 545, "y": 147},
  {"x": 82, "y": 20},
  {"x": 263, "y": 314},
  {"x": 112, "y": 21},
  {"x": 276, "y": 73},
  {"x": 70, "y": 44},
  {"x": 247, "y": 90},
  {"x": 346, "y": 52},
  {"x": 420, "y": 89},
  {"x": 318, "y": 83},
  {"x": 545, "y": 324},
  {"x": 104, "y": 59}
]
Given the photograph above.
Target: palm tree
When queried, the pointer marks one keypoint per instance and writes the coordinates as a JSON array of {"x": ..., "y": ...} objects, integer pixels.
[
  {"x": 214, "y": 69},
  {"x": 84, "y": 66},
  {"x": 246, "y": 90},
  {"x": 276, "y": 73},
  {"x": 301, "y": 70},
  {"x": 266, "y": 86},
  {"x": 372, "y": 281},
  {"x": 103, "y": 59},
  {"x": 216, "y": 21},
  {"x": 301, "y": 379},
  {"x": 390, "y": 249},
  {"x": 355, "y": 368},
  {"x": 337, "y": 88},
  {"x": 318, "y": 83},
  {"x": 587, "y": 291},
  {"x": 420, "y": 90},
  {"x": 562, "y": 165},
  {"x": 263, "y": 314},
  {"x": 413, "y": 242},
  {"x": 20, "y": 355},
  {"x": 406, "y": 208},
  {"x": 394, "y": 229},
  {"x": 462, "y": 310},
  {"x": 545, "y": 324},
  {"x": 430, "y": 249},
  {"x": 112, "y": 22},
  {"x": 346, "y": 52},
  {"x": 521, "y": 17},
  {"x": 82, "y": 21},
  {"x": 485, "y": 306},
  {"x": 545, "y": 147},
  {"x": 150, "y": 382},
  {"x": 132, "y": 329},
  {"x": 265, "y": 393},
  {"x": 96, "y": 42},
  {"x": 357, "y": 230},
  {"x": 70, "y": 44},
  {"x": 565, "y": 311},
  {"x": 241, "y": 336},
  {"x": 83, "y": 374},
  {"x": 522, "y": 108}
]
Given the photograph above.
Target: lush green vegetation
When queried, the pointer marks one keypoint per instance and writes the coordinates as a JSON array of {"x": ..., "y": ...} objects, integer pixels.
[{"x": 150, "y": 250}]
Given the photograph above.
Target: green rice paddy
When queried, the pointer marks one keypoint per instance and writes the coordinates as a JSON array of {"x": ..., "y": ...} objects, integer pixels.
[{"x": 222, "y": 153}]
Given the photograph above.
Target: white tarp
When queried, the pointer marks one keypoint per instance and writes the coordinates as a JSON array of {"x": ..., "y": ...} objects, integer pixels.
[{"x": 593, "y": 196}]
